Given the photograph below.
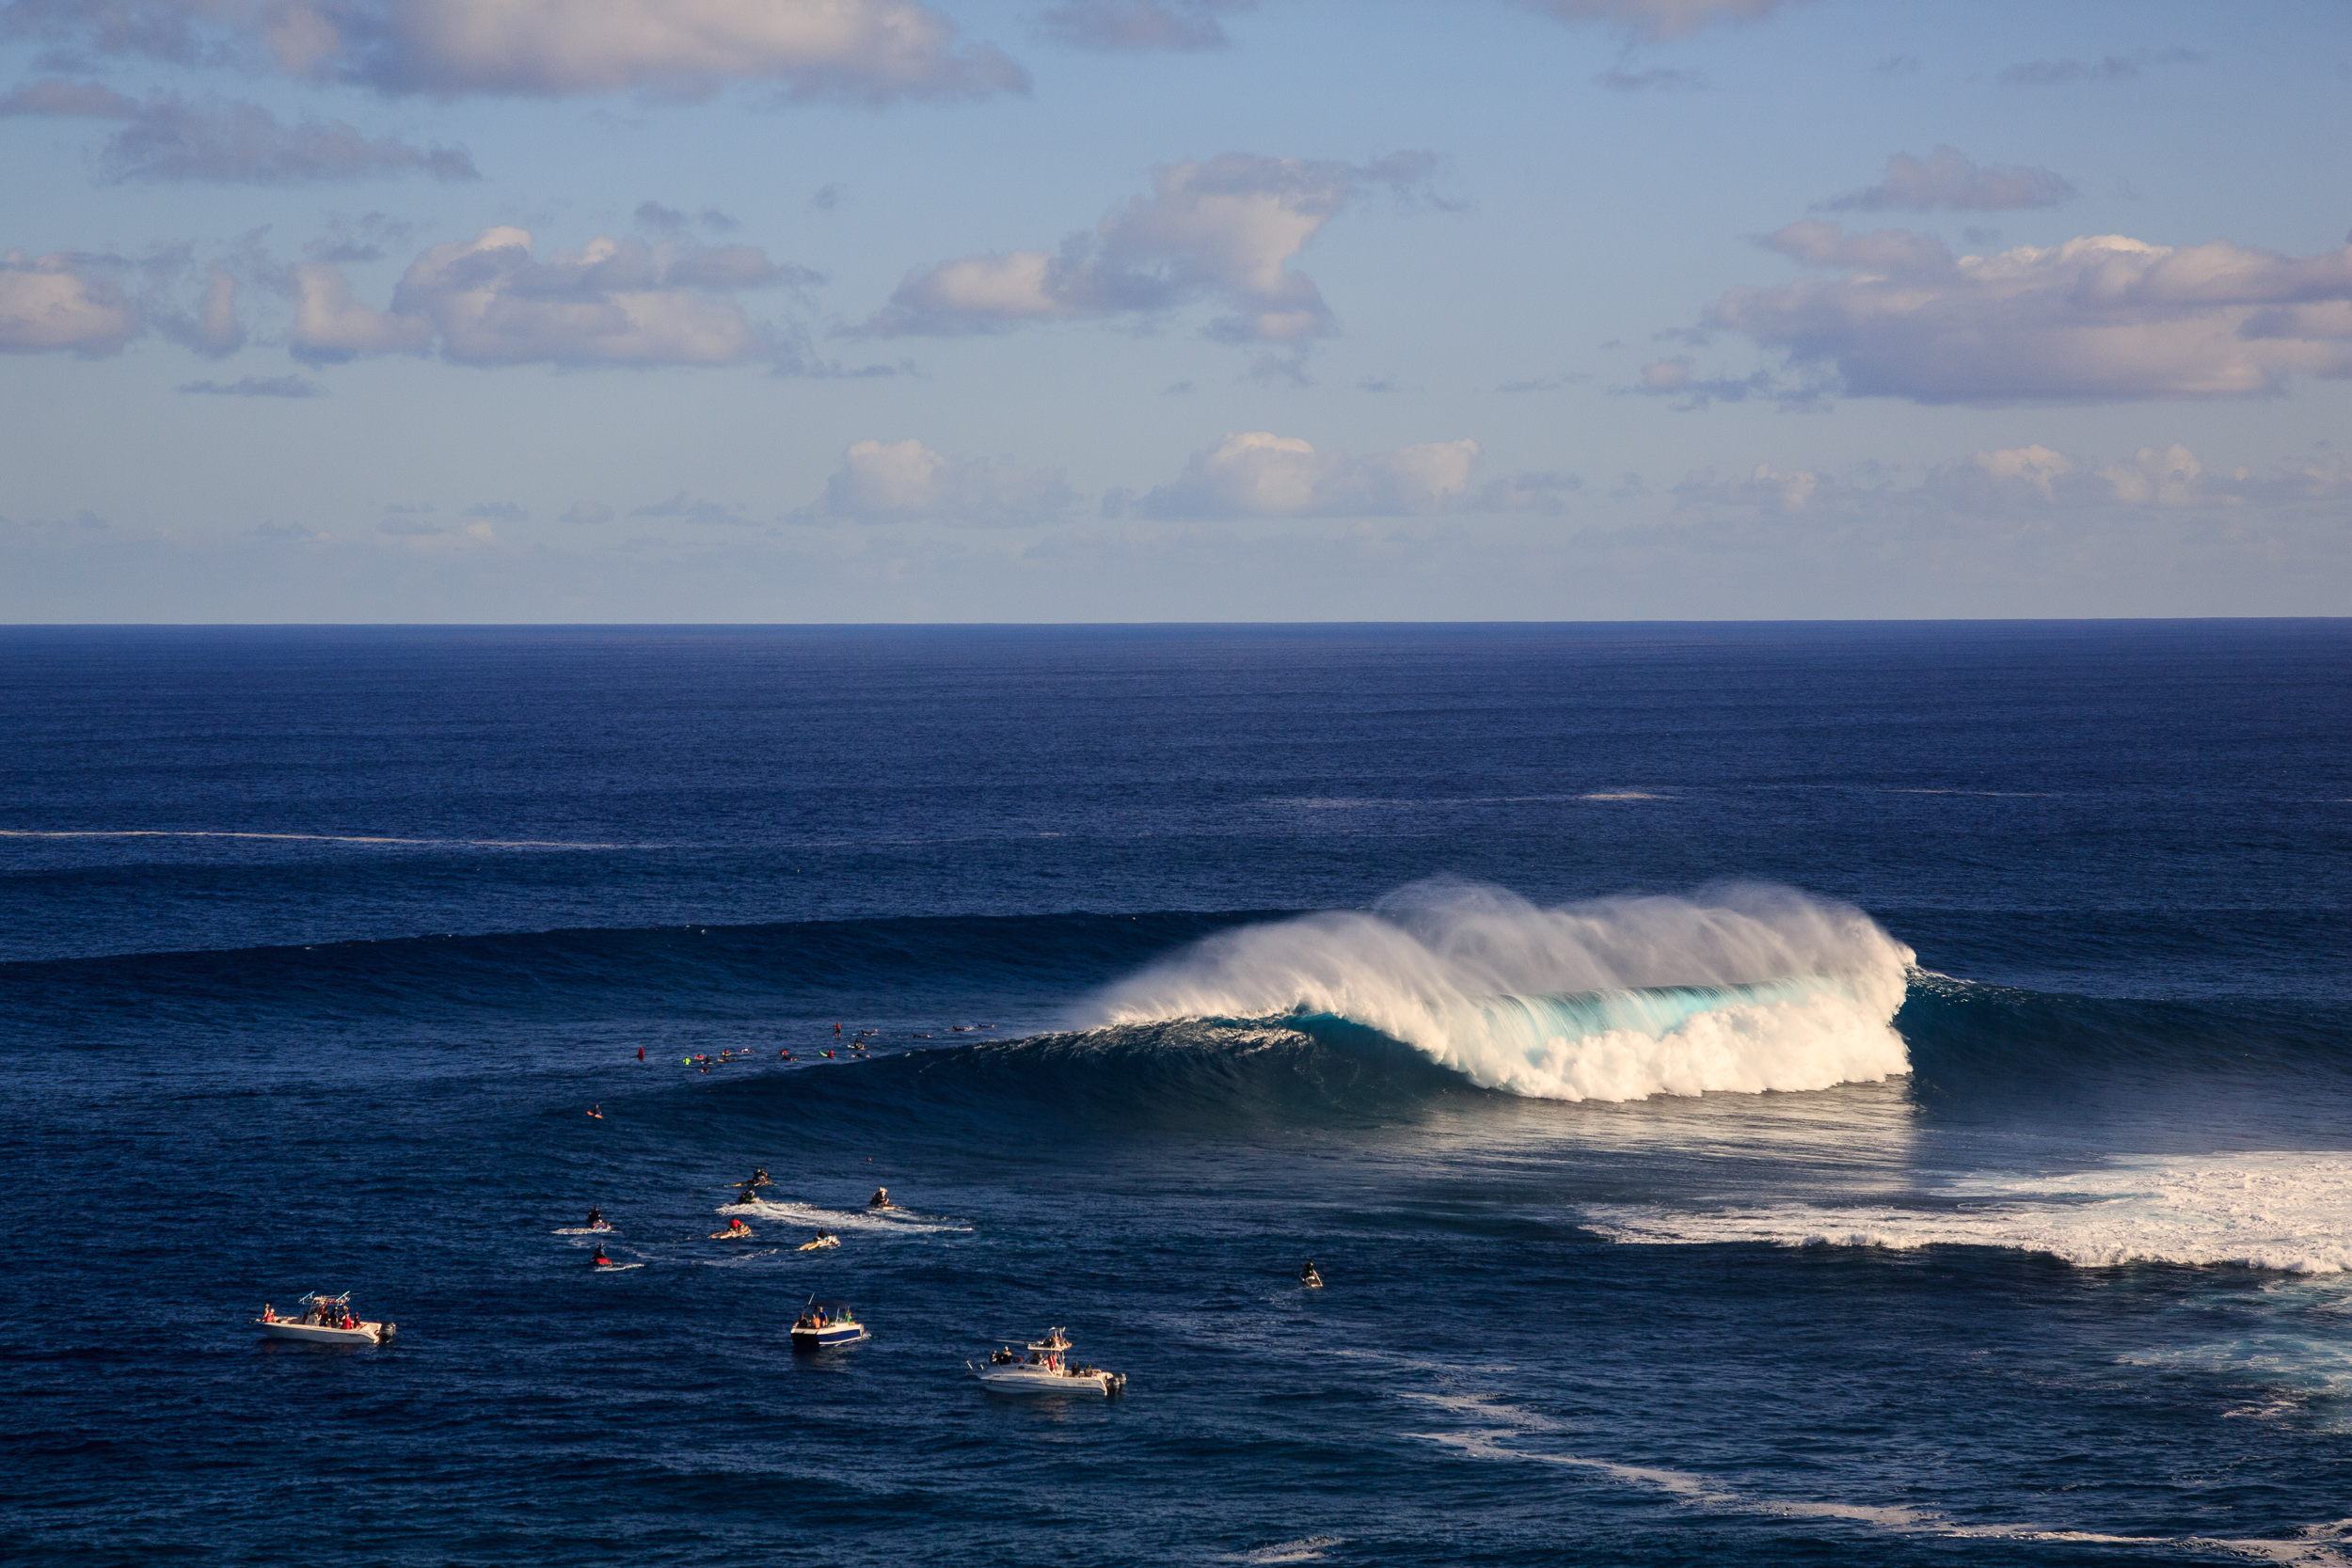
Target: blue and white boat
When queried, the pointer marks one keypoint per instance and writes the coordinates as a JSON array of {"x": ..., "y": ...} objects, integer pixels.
[{"x": 824, "y": 1323}]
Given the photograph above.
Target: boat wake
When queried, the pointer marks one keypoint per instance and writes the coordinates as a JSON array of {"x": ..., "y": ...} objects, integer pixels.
[
  {"x": 878, "y": 1221},
  {"x": 1744, "y": 988}
]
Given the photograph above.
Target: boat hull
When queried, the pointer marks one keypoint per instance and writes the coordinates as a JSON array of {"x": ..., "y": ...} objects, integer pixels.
[
  {"x": 1030, "y": 1380},
  {"x": 822, "y": 1338},
  {"x": 320, "y": 1333}
]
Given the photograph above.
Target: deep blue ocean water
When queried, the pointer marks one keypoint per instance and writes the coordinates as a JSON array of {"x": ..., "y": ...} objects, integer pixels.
[{"x": 1370, "y": 944}]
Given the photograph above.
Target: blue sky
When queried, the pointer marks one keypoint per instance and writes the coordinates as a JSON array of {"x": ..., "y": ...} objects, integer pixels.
[{"x": 1151, "y": 309}]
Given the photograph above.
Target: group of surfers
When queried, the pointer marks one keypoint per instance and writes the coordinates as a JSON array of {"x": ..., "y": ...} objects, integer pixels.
[{"x": 737, "y": 1230}]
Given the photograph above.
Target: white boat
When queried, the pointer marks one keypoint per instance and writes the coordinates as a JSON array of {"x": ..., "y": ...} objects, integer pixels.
[
  {"x": 1045, "y": 1370},
  {"x": 323, "y": 1320},
  {"x": 825, "y": 1324}
]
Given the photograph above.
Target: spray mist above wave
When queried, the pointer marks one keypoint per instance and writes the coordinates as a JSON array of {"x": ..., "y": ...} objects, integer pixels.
[{"x": 1747, "y": 989}]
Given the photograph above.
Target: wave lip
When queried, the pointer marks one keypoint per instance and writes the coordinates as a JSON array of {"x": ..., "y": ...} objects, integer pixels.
[{"x": 1743, "y": 989}]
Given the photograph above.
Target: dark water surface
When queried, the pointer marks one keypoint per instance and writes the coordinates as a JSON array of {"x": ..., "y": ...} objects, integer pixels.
[{"x": 319, "y": 943}]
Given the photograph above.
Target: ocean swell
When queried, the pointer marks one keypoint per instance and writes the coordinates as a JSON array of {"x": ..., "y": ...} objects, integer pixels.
[{"x": 1743, "y": 989}]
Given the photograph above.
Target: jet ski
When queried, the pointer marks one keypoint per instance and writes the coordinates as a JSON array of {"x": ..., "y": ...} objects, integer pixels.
[{"x": 824, "y": 1238}]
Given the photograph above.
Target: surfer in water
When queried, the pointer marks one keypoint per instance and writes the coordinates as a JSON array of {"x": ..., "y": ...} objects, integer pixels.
[{"x": 880, "y": 1199}]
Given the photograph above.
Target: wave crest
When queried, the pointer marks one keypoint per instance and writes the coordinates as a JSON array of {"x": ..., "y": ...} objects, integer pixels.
[{"x": 1747, "y": 987}]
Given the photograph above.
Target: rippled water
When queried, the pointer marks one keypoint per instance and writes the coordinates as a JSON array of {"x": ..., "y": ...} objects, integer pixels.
[{"x": 2071, "y": 1288}]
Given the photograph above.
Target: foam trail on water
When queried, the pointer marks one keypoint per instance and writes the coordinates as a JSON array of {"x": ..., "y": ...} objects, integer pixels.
[
  {"x": 2284, "y": 1210},
  {"x": 1744, "y": 988}
]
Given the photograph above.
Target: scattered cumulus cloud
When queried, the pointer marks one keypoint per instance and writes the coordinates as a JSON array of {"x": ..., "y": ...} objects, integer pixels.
[
  {"x": 277, "y": 532},
  {"x": 63, "y": 304},
  {"x": 2100, "y": 318},
  {"x": 408, "y": 527},
  {"x": 1224, "y": 230},
  {"x": 168, "y": 139},
  {"x": 1677, "y": 378},
  {"x": 1259, "y": 474},
  {"x": 1120, "y": 25},
  {"x": 881, "y": 482},
  {"x": 213, "y": 330},
  {"x": 1651, "y": 20},
  {"x": 260, "y": 386},
  {"x": 2110, "y": 68},
  {"x": 2028, "y": 481},
  {"x": 860, "y": 51},
  {"x": 497, "y": 512},
  {"x": 1949, "y": 181},
  {"x": 492, "y": 301}
]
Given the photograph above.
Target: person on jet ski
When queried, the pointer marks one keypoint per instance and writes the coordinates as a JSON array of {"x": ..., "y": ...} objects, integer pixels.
[
  {"x": 880, "y": 1199},
  {"x": 1307, "y": 1275},
  {"x": 595, "y": 1218},
  {"x": 599, "y": 1260}
]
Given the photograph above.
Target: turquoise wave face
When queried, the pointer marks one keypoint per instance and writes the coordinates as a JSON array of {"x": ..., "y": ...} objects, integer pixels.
[{"x": 1655, "y": 1011}]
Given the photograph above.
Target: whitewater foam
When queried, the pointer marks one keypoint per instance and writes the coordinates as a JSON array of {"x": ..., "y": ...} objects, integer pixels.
[
  {"x": 1745, "y": 988},
  {"x": 2279, "y": 1210},
  {"x": 811, "y": 1217}
]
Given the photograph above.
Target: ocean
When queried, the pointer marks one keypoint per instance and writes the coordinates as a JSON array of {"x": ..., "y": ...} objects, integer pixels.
[{"x": 1774, "y": 1092}]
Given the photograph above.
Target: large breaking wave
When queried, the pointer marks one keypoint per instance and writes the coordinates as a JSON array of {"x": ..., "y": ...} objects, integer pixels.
[{"x": 1747, "y": 989}]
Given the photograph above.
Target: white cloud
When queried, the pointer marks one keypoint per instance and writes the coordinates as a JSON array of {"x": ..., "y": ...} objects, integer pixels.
[
  {"x": 906, "y": 481},
  {"x": 1948, "y": 179},
  {"x": 490, "y": 301},
  {"x": 168, "y": 139},
  {"x": 213, "y": 330},
  {"x": 2029, "y": 481},
  {"x": 1258, "y": 474},
  {"x": 1113, "y": 25},
  {"x": 1224, "y": 230},
  {"x": 1767, "y": 488},
  {"x": 2101, "y": 318},
  {"x": 871, "y": 51},
  {"x": 1657, "y": 19},
  {"x": 329, "y": 326},
  {"x": 62, "y": 304}
]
